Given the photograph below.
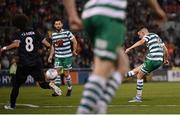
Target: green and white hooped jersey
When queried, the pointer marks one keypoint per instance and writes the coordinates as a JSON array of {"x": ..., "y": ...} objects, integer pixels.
[
  {"x": 62, "y": 43},
  {"x": 110, "y": 8},
  {"x": 155, "y": 46}
]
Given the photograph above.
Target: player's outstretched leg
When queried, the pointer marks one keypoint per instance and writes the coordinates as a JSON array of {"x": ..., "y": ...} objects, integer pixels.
[
  {"x": 109, "y": 92},
  {"x": 133, "y": 72},
  {"x": 56, "y": 89},
  {"x": 50, "y": 85},
  {"x": 130, "y": 74},
  {"x": 57, "y": 82}
]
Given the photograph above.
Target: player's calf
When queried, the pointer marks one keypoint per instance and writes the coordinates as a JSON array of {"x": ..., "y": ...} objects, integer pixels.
[
  {"x": 69, "y": 85},
  {"x": 69, "y": 92},
  {"x": 57, "y": 82},
  {"x": 108, "y": 93}
]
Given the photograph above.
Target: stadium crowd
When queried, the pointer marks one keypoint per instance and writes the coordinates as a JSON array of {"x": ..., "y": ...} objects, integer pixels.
[{"x": 42, "y": 12}]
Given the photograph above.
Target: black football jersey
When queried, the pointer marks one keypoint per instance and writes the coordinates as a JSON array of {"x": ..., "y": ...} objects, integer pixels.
[{"x": 30, "y": 41}]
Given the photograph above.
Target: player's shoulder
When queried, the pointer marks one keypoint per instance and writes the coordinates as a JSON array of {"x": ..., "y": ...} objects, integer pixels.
[
  {"x": 66, "y": 31},
  {"x": 54, "y": 33},
  {"x": 151, "y": 34},
  {"x": 28, "y": 31},
  {"x": 23, "y": 32},
  {"x": 146, "y": 37}
]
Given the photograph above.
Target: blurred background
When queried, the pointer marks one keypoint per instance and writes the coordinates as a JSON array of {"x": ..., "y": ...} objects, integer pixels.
[{"x": 42, "y": 12}]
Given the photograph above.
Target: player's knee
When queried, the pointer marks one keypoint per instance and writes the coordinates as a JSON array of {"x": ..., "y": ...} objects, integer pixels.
[
  {"x": 140, "y": 75},
  {"x": 44, "y": 85},
  {"x": 66, "y": 73}
]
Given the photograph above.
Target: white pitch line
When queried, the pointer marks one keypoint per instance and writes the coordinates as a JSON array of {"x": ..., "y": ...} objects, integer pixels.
[
  {"x": 126, "y": 105},
  {"x": 59, "y": 106},
  {"x": 27, "y": 105},
  {"x": 66, "y": 106},
  {"x": 169, "y": 105},
  {"x": 143, "y": 105}
]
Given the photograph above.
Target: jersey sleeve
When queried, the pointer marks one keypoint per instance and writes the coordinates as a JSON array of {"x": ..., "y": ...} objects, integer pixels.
[
  {"x": 71, "y": 36},
  {"x": 160, "y": 41},
  {"x": 145, "y": 38}
]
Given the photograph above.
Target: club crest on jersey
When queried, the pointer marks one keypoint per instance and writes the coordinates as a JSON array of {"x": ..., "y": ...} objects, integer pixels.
[
  {"x": 69, "y": 65},
  {"x": 59, "y": 43}
]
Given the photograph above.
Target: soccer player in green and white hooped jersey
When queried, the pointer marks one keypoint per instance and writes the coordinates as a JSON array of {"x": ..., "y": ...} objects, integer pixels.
[
  {"x": 61, "y": 47},
  {"x": 103, "y": 21},
  {"x": 157, "y": 55}
]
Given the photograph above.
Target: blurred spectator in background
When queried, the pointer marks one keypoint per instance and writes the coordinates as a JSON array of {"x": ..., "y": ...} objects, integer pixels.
[
  {"x": 177, "y": 60},
  {"x": 5, "y": 62}
]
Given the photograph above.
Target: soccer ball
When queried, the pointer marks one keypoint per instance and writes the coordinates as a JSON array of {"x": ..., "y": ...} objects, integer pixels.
[{"x": 51, "y": 74}]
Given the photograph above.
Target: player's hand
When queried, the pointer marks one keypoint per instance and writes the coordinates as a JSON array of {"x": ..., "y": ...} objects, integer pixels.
[
  {"x": 50, "y": 60},
  {"x": 75, "y": 53},
  {"x": 127, "y": 50},
  {"x": 75, "y": 23},
  {"x": 166, "y": 62},
  {"x": 3, "y": 49}
]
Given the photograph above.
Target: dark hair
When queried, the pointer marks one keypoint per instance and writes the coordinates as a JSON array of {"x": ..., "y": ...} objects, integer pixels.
[
  {"x": 53, "y": 22},
  {"x": 20, "y": 21},
  {"x": 139, "y": 27}
]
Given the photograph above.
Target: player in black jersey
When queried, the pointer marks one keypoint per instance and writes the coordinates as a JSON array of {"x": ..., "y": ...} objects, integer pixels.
[{"x": 27, "y": 41}]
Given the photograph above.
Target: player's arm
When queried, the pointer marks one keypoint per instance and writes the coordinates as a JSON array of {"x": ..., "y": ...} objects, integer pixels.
[
  {"x": 70, "y": 7},
  {"x": 154, "y": 4},
  {"x": 51, "y": 54},
  {"x": 166, "y": 55},
  {"x": 15, "y": 44},
  {"x": 74, "y": 41},
  {"x": 74, "y": 20},
  {"x": 139, "y": 43},
  {"x": 46, "y": 43}
]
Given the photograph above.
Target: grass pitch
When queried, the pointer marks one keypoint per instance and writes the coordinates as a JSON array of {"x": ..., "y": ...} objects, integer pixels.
[{"x": 158, "y": 98}]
